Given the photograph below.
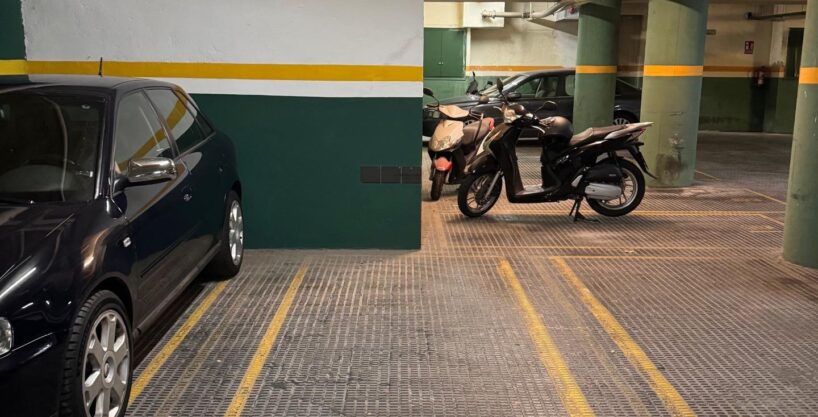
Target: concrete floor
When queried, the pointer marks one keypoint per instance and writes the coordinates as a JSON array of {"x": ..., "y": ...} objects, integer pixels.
[{"x": 682, "y": 308}]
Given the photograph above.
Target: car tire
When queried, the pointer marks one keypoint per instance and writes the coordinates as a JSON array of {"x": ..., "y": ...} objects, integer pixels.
[
  {"x": 228, "y": 260},
  {"x": 623, "y": 118},
  {"x": 94, "y": 361},
  {"x": 437, "y": 184}
]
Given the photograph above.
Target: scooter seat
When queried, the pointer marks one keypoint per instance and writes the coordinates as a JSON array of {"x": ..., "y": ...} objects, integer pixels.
[
  {"x": 454, "y": 113},
  {"x": 593, "y": 134},
  {"x": 473, "y": 131}
]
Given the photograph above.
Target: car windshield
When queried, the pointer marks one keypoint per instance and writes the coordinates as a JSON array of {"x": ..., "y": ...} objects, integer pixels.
[
  {"x": 491, "y": 91},
  {"x": 48, "y": 146}
]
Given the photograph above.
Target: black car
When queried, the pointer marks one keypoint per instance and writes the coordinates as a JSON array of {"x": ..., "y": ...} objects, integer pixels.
[
  {"x": 114, "y": 194},
  {"x": 532, "y": 89}
]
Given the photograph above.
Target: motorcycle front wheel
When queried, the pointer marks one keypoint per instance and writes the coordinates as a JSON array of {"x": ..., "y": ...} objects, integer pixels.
[
  {"x": 437, "y": 184},
  {"x": 474, "y": 197},
  {"x": 633, "y": 190}
]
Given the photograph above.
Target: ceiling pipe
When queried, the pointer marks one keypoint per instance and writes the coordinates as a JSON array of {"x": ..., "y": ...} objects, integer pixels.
[
  {"x": 562, "y": 5},
  {"x": 781, "y": 16}
]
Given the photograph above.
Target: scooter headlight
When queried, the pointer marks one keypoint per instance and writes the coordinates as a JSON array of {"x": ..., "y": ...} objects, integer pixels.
[{"x": 6, "y": 336}]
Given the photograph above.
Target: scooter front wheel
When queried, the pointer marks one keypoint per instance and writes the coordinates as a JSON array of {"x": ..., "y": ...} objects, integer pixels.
[
  {"x": 437, "y": 184},
  {"x": 479, "y": 192}
]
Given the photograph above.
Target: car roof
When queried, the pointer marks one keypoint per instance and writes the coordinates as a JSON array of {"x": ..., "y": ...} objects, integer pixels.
[
  {"x": 561, "y": 71},
  {"x": 77, "y": 82}
]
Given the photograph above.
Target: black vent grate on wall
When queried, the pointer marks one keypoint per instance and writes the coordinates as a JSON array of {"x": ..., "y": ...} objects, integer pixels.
[{"x": 390, "y": 175}]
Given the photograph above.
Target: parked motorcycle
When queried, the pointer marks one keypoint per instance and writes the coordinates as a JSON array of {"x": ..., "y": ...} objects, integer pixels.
[
  {"x": 574, "y": 167},
  {"x": 455, "y": 141}
]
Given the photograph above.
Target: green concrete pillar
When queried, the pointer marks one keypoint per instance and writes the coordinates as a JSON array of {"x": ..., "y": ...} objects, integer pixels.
[
  {"x": 801, "y": 224},
  {"x": 671, "y": 93},
  {"x": 597, "y": 59}
]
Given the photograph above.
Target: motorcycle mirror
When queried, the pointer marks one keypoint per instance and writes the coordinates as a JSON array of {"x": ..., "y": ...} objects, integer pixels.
[
  {"x": 483, "y": 100},
  {"x": 499, "y": 84},
  {"x": 428, "y": 92}
]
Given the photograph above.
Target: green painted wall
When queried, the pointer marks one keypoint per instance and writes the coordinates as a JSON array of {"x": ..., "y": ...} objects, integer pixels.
[
  {"x": 779, "y": 109},
  {"x": 300, "y": 162},
  {"x": 12, "y": 38}
]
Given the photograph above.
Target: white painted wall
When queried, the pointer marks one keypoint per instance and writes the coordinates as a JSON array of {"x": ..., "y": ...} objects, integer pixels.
[
  {"x": 361, "y": 32},
  {"x": 524, "y": 43}
]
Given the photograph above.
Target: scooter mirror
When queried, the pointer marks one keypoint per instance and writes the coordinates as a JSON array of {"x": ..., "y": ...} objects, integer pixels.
[
  {"x": 483, "y": 100},
  {"x": 499, "y": 85},
  {"x": 428, "y": 92}
]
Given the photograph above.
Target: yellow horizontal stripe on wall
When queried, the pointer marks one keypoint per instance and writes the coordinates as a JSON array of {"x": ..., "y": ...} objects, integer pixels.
[
  {"x": 596, "y": 69},
  {"x": 12, "y": 67},
  {"x": 296, "y": 72},
  {"x": 673, "y": 70},
  {"x": 808, "y": 75}
]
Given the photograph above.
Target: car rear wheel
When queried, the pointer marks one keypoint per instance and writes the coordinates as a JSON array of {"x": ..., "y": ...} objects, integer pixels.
[
  {"x": 228, "y": 259},
  {"x": 622, "y": 118},
  {"x": 98, "y": 361}
]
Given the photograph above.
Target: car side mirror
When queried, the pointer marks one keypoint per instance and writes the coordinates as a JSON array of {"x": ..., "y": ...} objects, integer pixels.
[
  {"x": 428, "y": 92},
  {"x": 147, "y": 170},
  {"x": 549, "y": 106},
  {"x": 483, "y": 100},
  {"x": 514, "y": 95}
]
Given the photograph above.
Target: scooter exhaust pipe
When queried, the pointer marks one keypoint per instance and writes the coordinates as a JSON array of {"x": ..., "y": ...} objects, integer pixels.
[{"x": 598, "y": 191}]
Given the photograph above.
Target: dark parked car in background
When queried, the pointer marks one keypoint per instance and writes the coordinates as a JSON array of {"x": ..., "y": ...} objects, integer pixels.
[
  {"x": 532, "y": 89},
  {"x": 114, "y": 194}
]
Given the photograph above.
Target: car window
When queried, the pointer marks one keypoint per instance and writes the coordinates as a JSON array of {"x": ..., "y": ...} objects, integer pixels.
[
  {"x": 178, "y": 118},
  {"x": 539, "y": 87},
  {"x": 624, "y": 88},
  {"x": 194, "y": 109},
  {"x": 48, "y": 145},
  {"x": 138, "y": 133},
  {"x": 569, "y": 84}
]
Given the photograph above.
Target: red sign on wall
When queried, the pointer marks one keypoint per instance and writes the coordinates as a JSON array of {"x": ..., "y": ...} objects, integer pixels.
[{"x": 748, "y": 47}]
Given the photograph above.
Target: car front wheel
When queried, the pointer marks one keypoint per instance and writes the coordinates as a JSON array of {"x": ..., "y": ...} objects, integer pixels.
[{"x": 98, "y": 360}]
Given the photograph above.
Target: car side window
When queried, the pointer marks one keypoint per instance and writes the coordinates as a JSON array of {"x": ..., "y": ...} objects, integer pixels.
[
  {"x": 178, "y": 118},
  {"x": 138, "y": 132},
  {"x": 528, "y": 89},
  {"x": 569, "y": 84},
  {"x": 549, "y": 87}
]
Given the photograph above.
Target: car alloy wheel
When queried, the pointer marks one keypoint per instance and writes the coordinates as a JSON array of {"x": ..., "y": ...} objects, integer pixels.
[
  {"x": 106, "y": 366},
  {"x": 235, "y": 233}
]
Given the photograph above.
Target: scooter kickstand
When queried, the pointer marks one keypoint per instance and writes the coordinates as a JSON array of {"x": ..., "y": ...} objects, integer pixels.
[{"x": 577, "y": 215}]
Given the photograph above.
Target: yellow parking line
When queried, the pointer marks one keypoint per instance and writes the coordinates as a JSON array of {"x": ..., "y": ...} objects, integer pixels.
[
  {"x": 764, "y": 216},
  {"x": 174, "y": 342},
  {"x": 766, "y": 196},
  {"x": 265, "y": 347},
  {"x": 673, "y": 401},
  {"x": 708, "y": 175},
  {"x": 570, "y": 394}
]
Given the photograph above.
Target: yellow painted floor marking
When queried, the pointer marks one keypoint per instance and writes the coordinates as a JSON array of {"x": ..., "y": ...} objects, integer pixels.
[
  {"x": 770, "y": 219},
  {"x": 174, "y": 342},
  {"x": 673, "y": 401},
  {"x": 265, "y": 347},
  {"x": 766, "y": 196},
  {"x": 570, "y": 394},
  {"x": 708, "y": 175}
]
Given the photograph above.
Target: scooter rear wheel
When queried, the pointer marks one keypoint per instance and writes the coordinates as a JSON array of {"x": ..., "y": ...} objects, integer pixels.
[
  {"x": 437, "y": 184},
  {"x": 474, "y": 197},
  {"x": 633, "y": 190}
]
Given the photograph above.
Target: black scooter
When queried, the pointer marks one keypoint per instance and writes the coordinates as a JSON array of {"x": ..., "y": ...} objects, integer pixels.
[{"x": 574, "y": 167}]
